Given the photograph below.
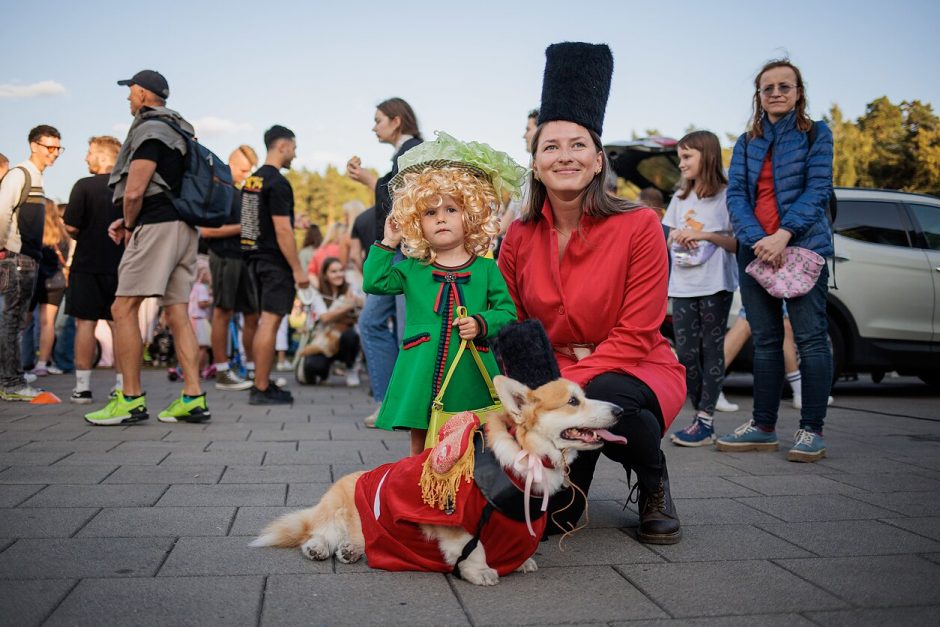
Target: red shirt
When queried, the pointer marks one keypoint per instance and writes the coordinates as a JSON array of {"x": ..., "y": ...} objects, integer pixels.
[
  {"x": 765, "y": 207},
  {"x": 609, "y": 290},
  {"x": 394, "y": 540}
]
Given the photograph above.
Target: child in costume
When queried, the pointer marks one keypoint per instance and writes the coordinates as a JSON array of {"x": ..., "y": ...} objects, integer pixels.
[{"x": 446, "y": 194}]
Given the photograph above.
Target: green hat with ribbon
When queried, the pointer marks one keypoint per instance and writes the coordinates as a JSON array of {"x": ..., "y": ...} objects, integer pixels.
[{"x": 492, "y": 165}]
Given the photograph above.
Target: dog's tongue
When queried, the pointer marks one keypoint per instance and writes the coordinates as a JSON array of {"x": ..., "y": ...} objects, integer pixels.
[{"x": 610, "y": 437}]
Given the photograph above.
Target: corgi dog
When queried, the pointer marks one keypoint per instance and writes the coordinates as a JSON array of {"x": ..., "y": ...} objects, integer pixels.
[{"x": 489, "y": 528}]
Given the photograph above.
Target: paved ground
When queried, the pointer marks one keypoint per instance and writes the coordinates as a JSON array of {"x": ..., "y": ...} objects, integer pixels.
[{"x": 149, "y": 524}]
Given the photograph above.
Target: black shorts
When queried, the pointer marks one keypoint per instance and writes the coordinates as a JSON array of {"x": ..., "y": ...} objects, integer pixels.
[
  {"x": 231, "y": 286},
  {"x": 42, "y": 296},
  {"x": 90, "y": 295},
  {"x": 273, "y": 283}
]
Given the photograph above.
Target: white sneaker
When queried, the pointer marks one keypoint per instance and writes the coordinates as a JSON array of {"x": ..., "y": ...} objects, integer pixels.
[
  {"x": 54, "y": 370},
  {"x": 797, "y": 402},
  {"x": 283, "y": 366},
  {"x": 29, "y": 376},
  {"x": 352, "y": 377},
  {"x": 21, "y": 393},
  {"x": 724, "y": 405},
  {"x": 369, "y": 420}
]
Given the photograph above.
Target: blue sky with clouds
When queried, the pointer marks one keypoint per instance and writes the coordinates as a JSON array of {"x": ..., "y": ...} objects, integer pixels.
[{"x": 471, "y": 69}]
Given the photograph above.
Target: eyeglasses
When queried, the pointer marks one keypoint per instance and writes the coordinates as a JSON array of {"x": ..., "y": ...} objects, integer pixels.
[
  {"x": 52, "y": 149},
  {"x": 783, "y": 89}
]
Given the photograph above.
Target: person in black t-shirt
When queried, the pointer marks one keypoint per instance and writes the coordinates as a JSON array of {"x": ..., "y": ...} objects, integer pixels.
[
  {"x": 160, "y": 252},
  {"x": 363, "y": 236},
  {"x": 232, "y": 289},
  {"x": 93, "y": 276},
  {"x": 267, "y": 238}
]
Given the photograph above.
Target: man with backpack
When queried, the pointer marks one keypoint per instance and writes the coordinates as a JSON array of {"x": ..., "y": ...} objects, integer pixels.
[
  {"x": 22, "y": 219},
  {"x": 160, "y": 250}
]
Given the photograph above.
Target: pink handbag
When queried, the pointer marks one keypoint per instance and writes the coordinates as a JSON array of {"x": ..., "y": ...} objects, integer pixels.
[{"x": 796, "y": 277}]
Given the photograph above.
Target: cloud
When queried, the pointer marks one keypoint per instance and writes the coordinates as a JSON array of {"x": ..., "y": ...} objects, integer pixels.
[
  {"x": 10, "y": 91},
  {"x": 211, "y": 126}
]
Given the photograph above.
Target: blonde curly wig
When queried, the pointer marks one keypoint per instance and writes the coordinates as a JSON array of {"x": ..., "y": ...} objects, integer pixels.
[{"x": 424, "y": 189}]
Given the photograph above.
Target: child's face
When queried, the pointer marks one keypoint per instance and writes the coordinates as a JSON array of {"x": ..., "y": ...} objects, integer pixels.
[
  {"x": 443, "y": 225},
  {"x": 690, "y": 163}
]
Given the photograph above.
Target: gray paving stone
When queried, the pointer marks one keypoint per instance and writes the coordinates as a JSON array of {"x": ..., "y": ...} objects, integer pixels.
[
  {"x": 102, "y": 495},
  {"x": 707, "y": 487},
  {"x": 72, "y": 446},
  {"x": 125, "y": 457},
  {"x": 214, "y": 458},
  {"x": 556, "y": 596},
  {"x": 928, "y": 526},
  {"x": 756, "y": 463},
  {"x": 889, "y": 482},
  {"x": 166, "y": 474},
  {"x": 31, "y": 458},
  {"x": 270, "y": 448},
  {"x": 933, "y": 557},
  {"x": 13, "y": 495},
  {"x": 718, "y": 511},
  {"x": 138, "y": 522},
  {"x": 56, "y": 474},
  {"x": 290, "y": 433},
  {"x": 276, "y": 474},
  {"x": 137, "y": 433},
  {"x": 27, "y": 603},
  {"x": 727, "y": 587},
  {"x": 399, "y": 598},
  {"x": 203, "y": 557},
  {"x": 158, "y": 445},
  {"x": 213, "y": 433},
  {"x": 907, "y": 503},
  {"x": 601, "y": 546},
  {"x": 300, "y": 495},
  {"x": 249, "y": 521},
  {"x": 907, "y": 616},
  {"x": 170, "y": 601},
  {"x": 231, "y": 494},
  {"x": 852, "y": 537},
  {"x": 9, "y": 443},
  {"x": 83, "y": 557},
  {"x": 812, "y": 507},
  {"x": 702, "y": 543},
  {"x": 873, "y": 581},
  {"x": 795, "y": 485},
  {"x": 764, "y": 620},
  {"x": 865, "y": 465},
  {"x": 44, "y": 522}
]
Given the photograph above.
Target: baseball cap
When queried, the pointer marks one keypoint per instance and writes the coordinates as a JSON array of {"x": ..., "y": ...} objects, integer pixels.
[{"x": 151, "y": 81}]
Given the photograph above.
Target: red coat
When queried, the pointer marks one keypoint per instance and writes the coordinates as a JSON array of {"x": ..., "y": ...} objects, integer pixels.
[
  {"x": 395, "y": 542},
  {"x": 609, "y": 290}
]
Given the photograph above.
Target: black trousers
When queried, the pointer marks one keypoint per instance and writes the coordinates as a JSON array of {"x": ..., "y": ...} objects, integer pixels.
[
  {"x": 318, "y": 366},
  {"x": 641, "y": 423}
]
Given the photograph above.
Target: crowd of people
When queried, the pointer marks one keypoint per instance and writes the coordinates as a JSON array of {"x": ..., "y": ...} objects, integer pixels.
[{"x": 401, "y": 285}]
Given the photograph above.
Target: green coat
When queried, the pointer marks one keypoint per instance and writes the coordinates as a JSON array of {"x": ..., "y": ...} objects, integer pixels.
[{"x": 430, "y": 342}]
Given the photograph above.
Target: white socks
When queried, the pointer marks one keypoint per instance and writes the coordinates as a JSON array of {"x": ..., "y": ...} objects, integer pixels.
[
  {"x": 119, "y": 381},
  {"x": 796, "y": 382},
  {"x": 221, "y": 367},
  {"x": 82, "y": 380}
]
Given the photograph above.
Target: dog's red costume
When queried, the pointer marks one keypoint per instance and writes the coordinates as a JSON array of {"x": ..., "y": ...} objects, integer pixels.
[{"x": 391, "y": 507}]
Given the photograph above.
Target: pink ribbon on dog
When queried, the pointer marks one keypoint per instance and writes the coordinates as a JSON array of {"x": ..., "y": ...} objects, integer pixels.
[{"x": 533, "y": 474}]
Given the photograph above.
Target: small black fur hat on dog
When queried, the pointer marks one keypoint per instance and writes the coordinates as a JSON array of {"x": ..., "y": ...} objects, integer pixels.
[
  {"x": 525, "y": 353},
  {"x": 576, "y": 84}
]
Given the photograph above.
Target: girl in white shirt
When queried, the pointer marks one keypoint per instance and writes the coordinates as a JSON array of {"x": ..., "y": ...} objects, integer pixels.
[{"x": 703, "y": 277}]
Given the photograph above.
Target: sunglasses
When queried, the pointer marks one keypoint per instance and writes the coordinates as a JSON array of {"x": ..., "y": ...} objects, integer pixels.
[
  {"x": 51, "y": 149},
  {"x": 783, "y": 89}
]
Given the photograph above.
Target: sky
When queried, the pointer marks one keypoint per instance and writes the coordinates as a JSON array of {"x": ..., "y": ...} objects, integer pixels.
[{"x": 472, "y": 69}]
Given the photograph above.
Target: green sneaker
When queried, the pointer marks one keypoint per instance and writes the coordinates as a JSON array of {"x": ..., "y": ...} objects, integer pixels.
[
  {"x": 194, "y": 410},
  {"x": 120, "y": 410}
]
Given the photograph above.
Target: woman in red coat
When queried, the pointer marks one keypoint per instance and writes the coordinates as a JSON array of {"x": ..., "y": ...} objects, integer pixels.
[{"x": 593, "y": 269}]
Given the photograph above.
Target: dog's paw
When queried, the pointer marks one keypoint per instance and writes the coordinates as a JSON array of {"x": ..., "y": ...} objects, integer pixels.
[
  {"x": 315, "y": 549},
  {"x": 528, "y": 566},
  {"x": 348, "y": 553},
  {"x": 480, "y": 576}
]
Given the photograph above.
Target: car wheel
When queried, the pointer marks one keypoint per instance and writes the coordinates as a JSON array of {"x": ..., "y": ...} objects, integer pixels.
[
  {"x": 930, "y": 378},
  {"x": 837, "y": 346}
]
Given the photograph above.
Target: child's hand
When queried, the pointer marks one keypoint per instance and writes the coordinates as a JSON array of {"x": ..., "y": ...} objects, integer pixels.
[
  {"x": 467, "y": 328},
  {"x": 392, "y": 235}
]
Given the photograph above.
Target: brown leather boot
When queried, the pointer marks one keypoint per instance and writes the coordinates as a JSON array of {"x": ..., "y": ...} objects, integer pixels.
[{"x": 659, "y": 523}]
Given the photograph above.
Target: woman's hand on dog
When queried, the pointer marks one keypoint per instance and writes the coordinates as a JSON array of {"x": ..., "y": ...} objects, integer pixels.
[{"x": 467, "y": 328}]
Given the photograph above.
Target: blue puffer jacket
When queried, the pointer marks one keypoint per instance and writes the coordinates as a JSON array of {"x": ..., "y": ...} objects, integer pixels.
[{"x": 802, "y": 184}]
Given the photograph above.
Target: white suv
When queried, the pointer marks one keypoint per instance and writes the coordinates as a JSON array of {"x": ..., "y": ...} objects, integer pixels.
[{"x": 884, "y": 313}]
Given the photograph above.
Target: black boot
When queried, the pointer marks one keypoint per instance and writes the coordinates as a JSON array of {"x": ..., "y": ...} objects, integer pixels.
[{"x": 659, "y": 522}]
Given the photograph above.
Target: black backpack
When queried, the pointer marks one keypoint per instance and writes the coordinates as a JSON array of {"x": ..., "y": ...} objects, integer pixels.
[{"x": 206, "y": 192}]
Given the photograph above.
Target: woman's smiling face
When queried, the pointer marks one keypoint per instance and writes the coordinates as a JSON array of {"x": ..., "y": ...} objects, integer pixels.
[{"x": 566, "y": 158}]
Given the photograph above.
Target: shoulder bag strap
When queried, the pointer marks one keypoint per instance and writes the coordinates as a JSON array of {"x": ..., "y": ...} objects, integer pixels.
[{"x": 439, "y": 399}]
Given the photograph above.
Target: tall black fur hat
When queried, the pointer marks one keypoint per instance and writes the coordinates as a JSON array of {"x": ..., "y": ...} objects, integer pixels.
[
  {"x": 525, "y": 353},
  {"x": 576, "y": 84}
]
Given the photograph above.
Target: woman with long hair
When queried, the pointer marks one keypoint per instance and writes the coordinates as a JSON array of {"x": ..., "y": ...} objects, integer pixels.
[
  {"x": 336, "y": 306},
  {"x": 50, "y": 286},
  {"x": 397, "y": 125},
  {"x": 592, "y": 268},
  {"x": 780, "y": 183}
]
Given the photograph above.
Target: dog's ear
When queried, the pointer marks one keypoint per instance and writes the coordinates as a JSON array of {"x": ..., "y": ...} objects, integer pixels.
[{"x": 514, "y": 396}]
